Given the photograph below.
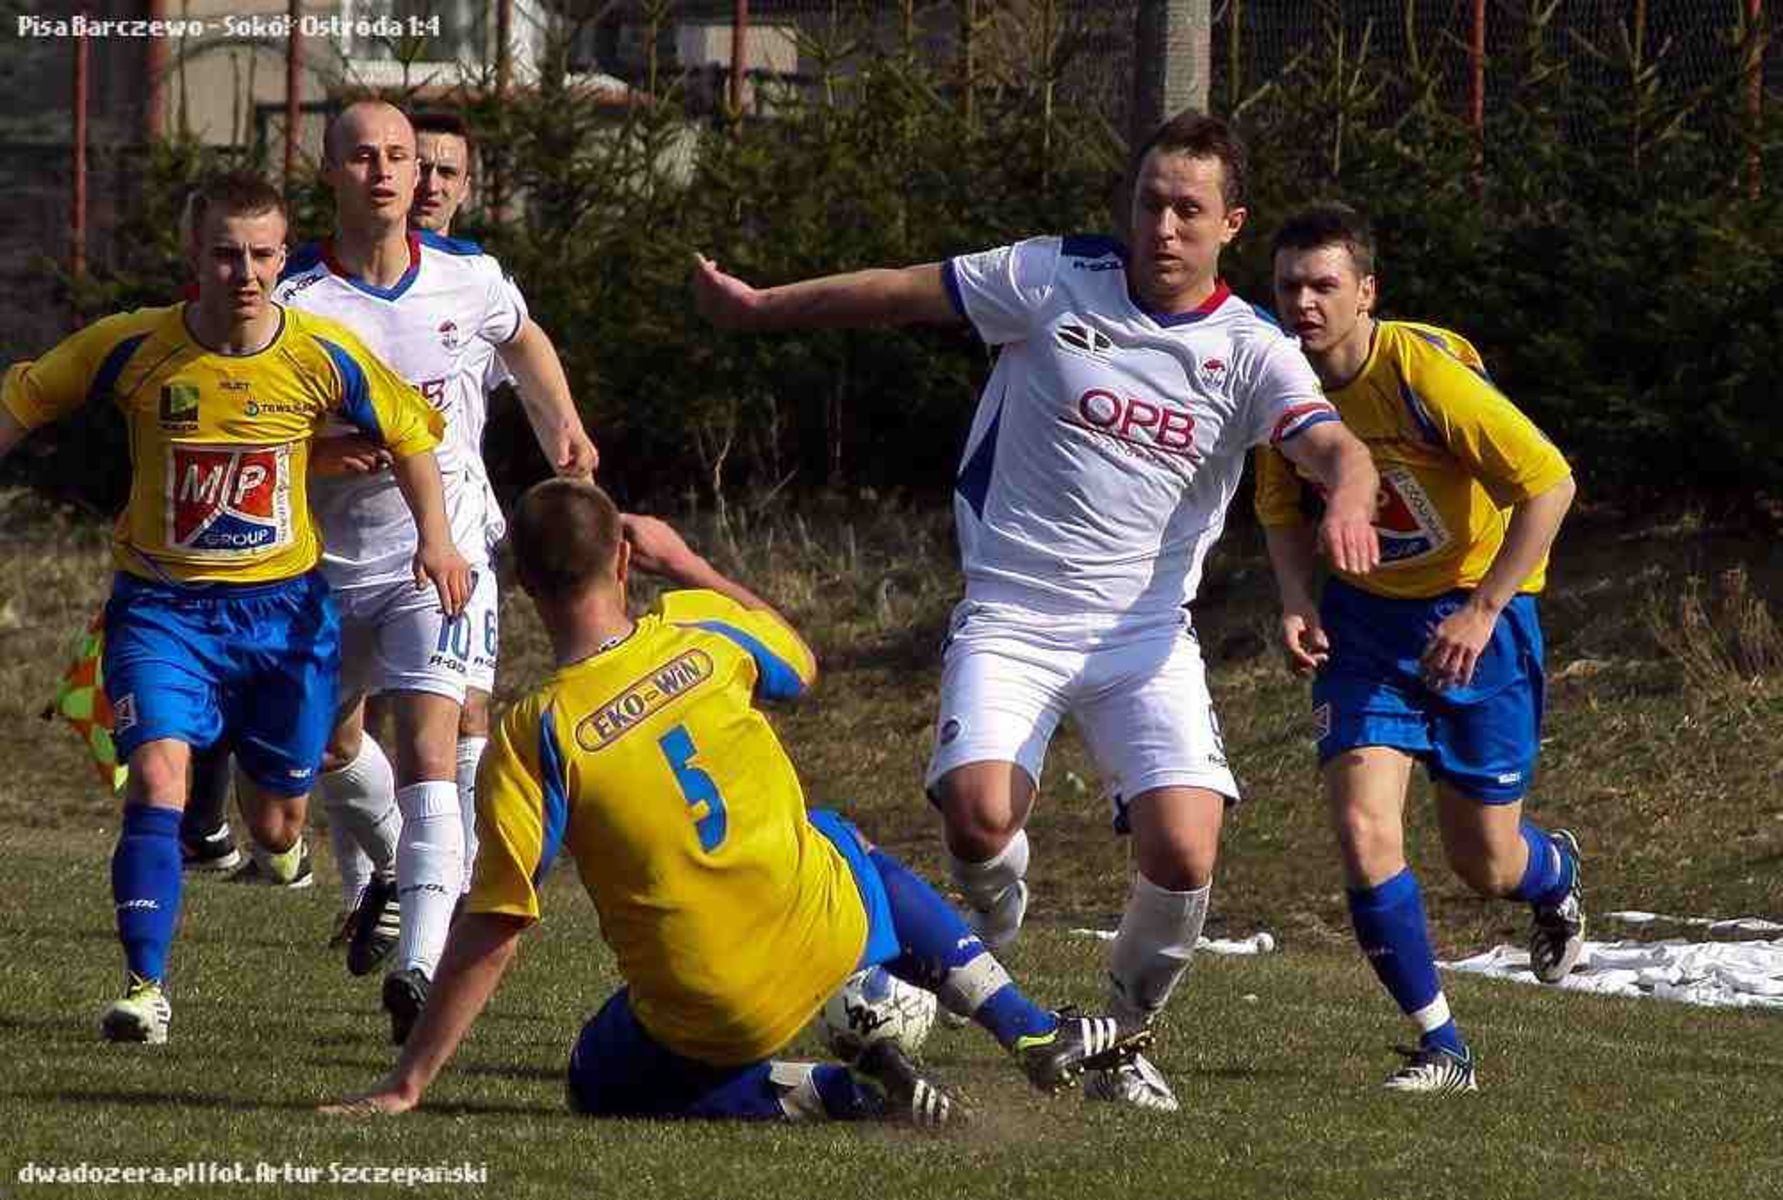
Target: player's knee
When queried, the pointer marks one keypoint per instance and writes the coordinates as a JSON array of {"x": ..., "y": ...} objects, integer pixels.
[
  {"x": 473, "y": 722},
  {"x": 158, "y": 777},
  {"x": 979, "y": 822},
  {"x": 343, "y": 747}
]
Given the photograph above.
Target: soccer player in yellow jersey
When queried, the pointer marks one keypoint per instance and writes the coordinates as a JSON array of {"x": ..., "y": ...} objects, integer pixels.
[
  {"x": 732, "y": 911},
  {"x": 218, "y": 624},
  {"x": 1437, "y": 655}
]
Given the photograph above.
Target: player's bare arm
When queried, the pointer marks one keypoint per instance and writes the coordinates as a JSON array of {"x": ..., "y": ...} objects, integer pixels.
[
  {"x": 348, "y": 454},
  {"x": 657, "y": 549},
  {"x": 1338, "y": 460},
  {"x": 881, "y": 296},
  {"x": 477, "y": 955},
  {"x": 1454, "y": 648},
  {"x": 550, "y": 409},
  {"x": 437, "y": 561},
  {"x": 1293, "y": 557}
]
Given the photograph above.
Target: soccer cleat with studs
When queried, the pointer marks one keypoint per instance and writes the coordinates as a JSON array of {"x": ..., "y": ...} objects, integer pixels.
[
  {"x": 377, "y": 924},
  {"x": 142, "y": 1015},
  {"x": 1137, "y": 1083},
  {"x": 1433, "y": 1070},
  {"x": 210, "y": 853},
  {"x": 1557, "y": 931},
  {"x": 405, "y": 995},
  {"x": 255, "y": 871},
  {"x": 1053, "y": 1061},
  {"x": 885, "y": 1070}
]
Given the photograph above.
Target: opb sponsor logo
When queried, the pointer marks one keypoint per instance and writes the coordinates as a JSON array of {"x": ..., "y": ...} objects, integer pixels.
[
  {"x": 228, "y": 501},
  {"x": 1135, "y": 420}
]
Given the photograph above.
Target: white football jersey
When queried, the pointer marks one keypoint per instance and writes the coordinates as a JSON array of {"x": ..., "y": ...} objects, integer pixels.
[
  {"x": 429, "y": 327},
  {"x": 1109, "y": 440}
]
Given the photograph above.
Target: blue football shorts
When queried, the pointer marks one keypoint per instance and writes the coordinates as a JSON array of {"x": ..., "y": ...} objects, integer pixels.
[
  {"x": 1480, "y": 739},
  {"x": 258, "y": 663}
]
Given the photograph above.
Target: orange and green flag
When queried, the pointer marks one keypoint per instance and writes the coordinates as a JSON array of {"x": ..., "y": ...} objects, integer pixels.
[{"x": 81, "y": 701}]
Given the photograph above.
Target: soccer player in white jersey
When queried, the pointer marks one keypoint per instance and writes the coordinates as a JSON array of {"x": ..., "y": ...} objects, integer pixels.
[
  {"x": 1107, "y": 444},
  {"x": 443, "y": 156},
  {"x": 422, "y": 302}
]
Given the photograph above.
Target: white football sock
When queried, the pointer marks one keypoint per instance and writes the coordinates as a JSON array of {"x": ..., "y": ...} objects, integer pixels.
[
  {"x": 429, "y": 869},
  {"x": 994, "y": 891},
  {"x": 1152, "y": 950},
  {"x": 361, "y": 799},
  {"x": 470, "y": 753},
  {"x": 352, "y": 864}
]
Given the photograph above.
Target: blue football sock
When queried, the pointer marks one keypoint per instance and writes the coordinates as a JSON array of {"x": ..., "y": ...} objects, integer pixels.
[
  {"x": 1392, "y": 930},
  {"x": 145, "y": 887},
  {"x": 843, "y": 1098},
  {"x": 1549, "y": 875},
  {"x": 942, "y": 953}
]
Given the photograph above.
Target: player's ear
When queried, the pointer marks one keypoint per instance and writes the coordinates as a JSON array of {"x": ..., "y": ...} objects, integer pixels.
[
  {"x": 1365, "y": 294},
  {"x": 622, "y": 564},
  {"x": 1234, "y": 222}
]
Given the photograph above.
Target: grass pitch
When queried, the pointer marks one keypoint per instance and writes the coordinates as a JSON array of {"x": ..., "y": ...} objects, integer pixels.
[{"x": 1663, "y": 717}]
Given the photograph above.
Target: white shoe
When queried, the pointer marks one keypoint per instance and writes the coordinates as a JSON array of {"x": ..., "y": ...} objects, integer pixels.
[
  {"x": 141, "y": 1016},
  {"x": 1435, "y": 1071},
  {"x": 997, "y": 926},
  {"x": 1138, "y": 1083}
]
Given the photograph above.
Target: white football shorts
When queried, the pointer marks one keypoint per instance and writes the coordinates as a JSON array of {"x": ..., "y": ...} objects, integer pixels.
[
  {"x": 483, "y": 612},
  {"x": 1137, "y": 694},
  {"x": 394, "y": 638}
]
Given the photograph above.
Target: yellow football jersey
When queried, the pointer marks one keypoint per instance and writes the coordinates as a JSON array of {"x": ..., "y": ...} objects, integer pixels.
[
  {"x": 1454, "y": 456},
  {"x": 731, "y": 917},
  {"x": 219, "y": 443}
]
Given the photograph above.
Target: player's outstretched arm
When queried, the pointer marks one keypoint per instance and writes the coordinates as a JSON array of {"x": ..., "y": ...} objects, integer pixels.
[
  {"x": 1293, "y": 557},
  {"x": 550, "y": 409},
  {"x": 437, "y": 560},
  {"x": 883, "y": 296},
  {"x": 1454, "y": 648},
  {"x": 1339, "y": 461},
  {"x": 477, "y": 955},
  {"x": 657, "y": 549}
]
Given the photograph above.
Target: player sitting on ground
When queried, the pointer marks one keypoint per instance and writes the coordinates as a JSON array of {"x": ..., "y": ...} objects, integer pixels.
[
  {"x": 732, "y": 911},
  {"x": 1436, "y": 656},
  {"x": 1111, "y": 435},
  {"x": 218, "y": 625}
]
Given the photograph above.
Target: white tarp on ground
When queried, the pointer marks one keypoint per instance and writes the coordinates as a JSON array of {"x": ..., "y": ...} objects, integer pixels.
[{"x": 1742, "y": 974}]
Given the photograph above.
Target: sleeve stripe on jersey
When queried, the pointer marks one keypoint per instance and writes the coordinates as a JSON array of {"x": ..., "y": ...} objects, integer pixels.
[
  {"x": 113, "y": 366},
  {"x": 777, "y": 678},
  {"x": 1420, "y": 415},
  {"x": 951, "y": 279},
  {"x": 355, "y": 396},
  {"x": 1302, "y": 417},
  {"x": 557, "y": 800}
]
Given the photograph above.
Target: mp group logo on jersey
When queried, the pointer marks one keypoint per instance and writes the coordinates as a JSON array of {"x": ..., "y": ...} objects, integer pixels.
[{"x": 228, "y": 501}]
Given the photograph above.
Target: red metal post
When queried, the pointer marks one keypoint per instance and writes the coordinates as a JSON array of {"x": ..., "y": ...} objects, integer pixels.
[
  {"x": 77, "y": 218},
  {"x": 1754, "y": 94},
  {"x": 293, "y": 91},
  {"x": 739, "y": 54},
  {"x": 154, "y": 116}
]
